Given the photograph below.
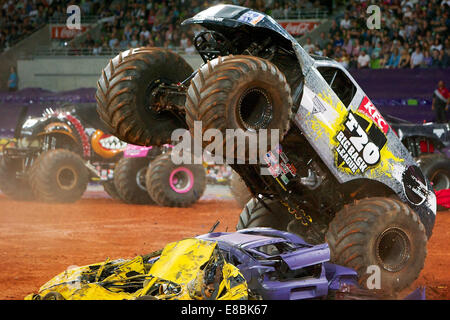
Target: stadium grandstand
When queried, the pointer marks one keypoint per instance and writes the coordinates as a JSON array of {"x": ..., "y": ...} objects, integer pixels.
[
  {"x": 40, "y": 52},
  {"x": 415, "y": 33}
]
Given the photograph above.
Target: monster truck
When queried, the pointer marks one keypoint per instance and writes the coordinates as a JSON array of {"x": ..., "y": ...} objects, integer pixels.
[
  {"x": 239, "y": 190},
  {"x": 427, "y": 142},
  {"x": 338, "y": 174},
  {"x": 145, "y": 175},
  {"x": 54, "y": 156}
]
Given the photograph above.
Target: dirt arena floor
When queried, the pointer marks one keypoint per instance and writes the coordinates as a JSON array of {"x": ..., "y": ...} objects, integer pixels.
[{"x": 38, "y": 241}]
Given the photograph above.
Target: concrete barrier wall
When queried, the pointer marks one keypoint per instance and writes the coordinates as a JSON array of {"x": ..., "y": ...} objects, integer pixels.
[
  {"x": 68, "y": 73},
  {"x": 22, "y": 49}
]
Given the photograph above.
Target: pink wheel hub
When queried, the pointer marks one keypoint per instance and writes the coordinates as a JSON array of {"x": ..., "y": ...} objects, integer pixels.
[{"x": 181, "y": 180}]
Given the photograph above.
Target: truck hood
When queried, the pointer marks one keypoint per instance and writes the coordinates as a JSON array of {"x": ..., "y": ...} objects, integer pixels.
[{"x": 232, "y": 16}]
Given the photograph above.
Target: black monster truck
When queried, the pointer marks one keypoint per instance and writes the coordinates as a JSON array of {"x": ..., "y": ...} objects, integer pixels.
[
  {"x": 427, "y": 142},
  {"x": 145, "y": 175},
  {"x": 55, "y": 156},
  {"x": 339, "y": 173}
]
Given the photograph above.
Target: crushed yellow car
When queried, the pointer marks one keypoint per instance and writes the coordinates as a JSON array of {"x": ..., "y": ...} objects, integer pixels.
[{"x": 190, "y": 269}]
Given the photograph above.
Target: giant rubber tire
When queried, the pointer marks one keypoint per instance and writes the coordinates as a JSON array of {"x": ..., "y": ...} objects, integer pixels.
[
  {"x": 110, "y": 189},
  {"x": 239, "y": 190},
  {"x": 255, "y": 214},
  {"x": 122, "y": 94},
  {"x": 125, "y": 180},
  {"x": 10, "y": 185},
  {"x": 215, "y": 93},
  {"x": 45, "y": 172},
  {"x": 433, "y": 165},
  {"x": 158, "y": 182},
  {"x": 354, "y": 233}
]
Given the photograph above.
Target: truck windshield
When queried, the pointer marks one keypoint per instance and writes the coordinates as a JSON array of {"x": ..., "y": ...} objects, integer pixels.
[{"x": 339, "y": 83}]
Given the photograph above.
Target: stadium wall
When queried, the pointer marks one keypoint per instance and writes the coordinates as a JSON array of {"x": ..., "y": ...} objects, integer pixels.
[
  {"x": 69, "y": 72},
  {"x": 21, "y": 50}
]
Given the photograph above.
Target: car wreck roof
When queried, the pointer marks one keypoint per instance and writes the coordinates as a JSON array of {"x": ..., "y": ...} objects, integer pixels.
[{"x": 238, "y": 238}]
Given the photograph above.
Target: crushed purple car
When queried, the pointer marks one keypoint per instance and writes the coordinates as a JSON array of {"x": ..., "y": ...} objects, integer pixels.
[{"x": 279, "y": 265}]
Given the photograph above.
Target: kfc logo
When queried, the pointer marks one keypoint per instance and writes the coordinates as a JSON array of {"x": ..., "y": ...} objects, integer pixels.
[{"x": 367, "y": 108}]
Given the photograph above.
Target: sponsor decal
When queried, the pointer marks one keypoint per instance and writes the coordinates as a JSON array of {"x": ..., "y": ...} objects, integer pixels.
[
  {"x": 298, "y": 28},
  {"x": 63, "y": 32},
  {"x": 318, "y": 106},
  {"x": 251, "y": 17},
  {"x": 359, "y": 144},
  {"x": 415, "y": 185},
  {"x": 366, "y": 107},
  {"x": 279, "y": 167}
]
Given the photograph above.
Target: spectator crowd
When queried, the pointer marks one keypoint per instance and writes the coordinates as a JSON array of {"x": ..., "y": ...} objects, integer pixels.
[
  {"x": 136, "y": 22},
  {"x": 20, "y": 18},
  {"x": 413, "y": 34},
  {"x": 158, "y": 23}
]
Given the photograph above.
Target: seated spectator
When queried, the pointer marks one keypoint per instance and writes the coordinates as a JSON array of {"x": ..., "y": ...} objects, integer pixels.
[
  {"x": 376, "y": 52},
  {"x": 124, "y": 42},
  {"x": 416, "y": 58},
  {"x": 367, "y": 47},
  {"x": 317, "y": 50},
  {"x": 384, "y": 58},
  {"x": 322, "y": 41},
  {"x": 338, "y": 52},
  {"x": 190, "y": 49},
  {"x": 116, "y": 47},
  {"x": 363, "y": 60},
  {"x": 436, "y": 45},
  {"x": 105, "y": 47},
  {"x": 345, "y": 60},
  {"x": 356, "y": 48},
  {"x": 308, "y": 46},
  {"x": 134, "y": 43},
  {"x": 404, "y": 59},
  {"x": 334, "y": 29},
  {"x": 394, "y": 60},
  {"x": 184, "y": 40},
  {"x": 338, "y": 41},
  {"x": 345, "y": 23},
  {"x": 113, "y": 40},
  {"x": 427, "y": 60},
  {"x": 97, "y": 50},
  {"x": 347, "y": 45},
  {"x": 128, "y": 32},
  {"x": 444, "y": 59}
]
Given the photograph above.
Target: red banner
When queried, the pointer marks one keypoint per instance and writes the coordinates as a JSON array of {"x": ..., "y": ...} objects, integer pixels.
[
  {"x": 299, "y": 28},
  {"x": 62, "y": 32}
]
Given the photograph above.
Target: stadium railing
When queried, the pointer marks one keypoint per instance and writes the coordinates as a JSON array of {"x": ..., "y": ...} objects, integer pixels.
[
  {"x": 46, "y": 51},
  {"x": 303, "y": 14}
]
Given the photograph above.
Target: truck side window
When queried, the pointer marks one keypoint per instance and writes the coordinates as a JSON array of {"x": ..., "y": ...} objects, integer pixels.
[{"x": 339, "y": 83}]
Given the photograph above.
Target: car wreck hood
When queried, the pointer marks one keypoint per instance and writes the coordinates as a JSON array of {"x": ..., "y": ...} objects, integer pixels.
[{"x": 310, "y": 256}]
